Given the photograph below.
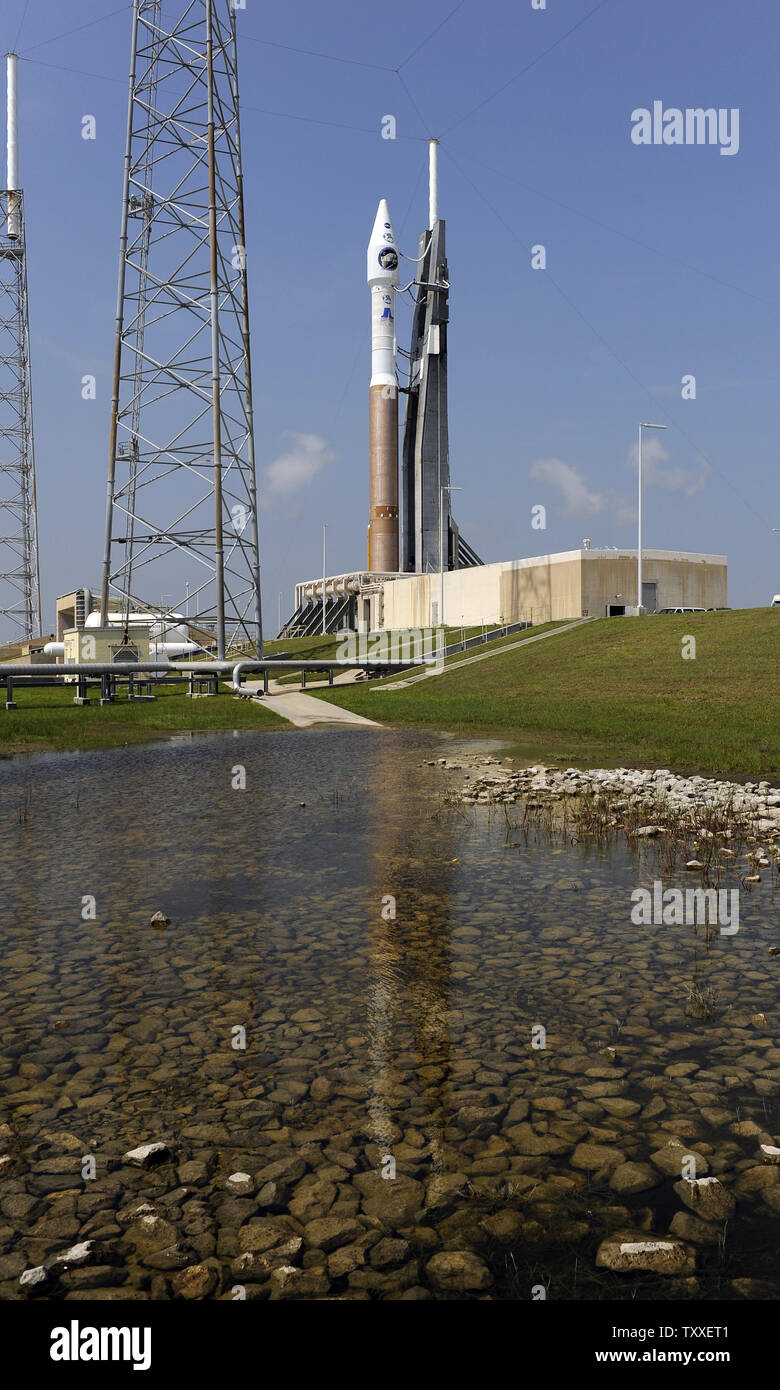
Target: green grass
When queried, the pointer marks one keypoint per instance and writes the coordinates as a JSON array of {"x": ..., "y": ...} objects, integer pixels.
[
  {"x": 475, "y": 651},
  {"x": 615, "y": 692},
  {"x": 46, "y": 718},
  {"x": 321, "y": 647}
]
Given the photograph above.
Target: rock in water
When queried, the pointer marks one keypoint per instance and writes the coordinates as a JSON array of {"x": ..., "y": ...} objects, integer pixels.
[
  {"x": 197, "y": 1281},
  {"x": 707, "y": 1197},
  {"x": 240, "y": 1184},
  {"x": 33, "y": 1281},
  {"x": 159, "y": 921},
  {"x": 77, "y": 1255},
  {"x": 457, "y": 1271},
  {"x": 146, "y": 1155},
  {"x": 634, "y": 1254},
  {"x": 634, "y": 1177}
]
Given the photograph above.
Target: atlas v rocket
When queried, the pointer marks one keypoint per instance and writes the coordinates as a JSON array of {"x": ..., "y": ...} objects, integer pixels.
[
  {"x": 425, "y": 537},
  {"x": 382, "y": 274}
]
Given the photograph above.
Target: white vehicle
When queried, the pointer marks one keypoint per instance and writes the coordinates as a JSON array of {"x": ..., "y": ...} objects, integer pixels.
[{"x": 776, "y": 601}]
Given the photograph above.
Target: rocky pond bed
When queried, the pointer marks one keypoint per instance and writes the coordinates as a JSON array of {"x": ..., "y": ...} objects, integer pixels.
[{"x": 397, "y": 1049}]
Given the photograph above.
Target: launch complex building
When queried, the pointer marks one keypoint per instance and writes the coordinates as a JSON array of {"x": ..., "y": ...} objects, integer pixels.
[{"x": 420, "y": 571}]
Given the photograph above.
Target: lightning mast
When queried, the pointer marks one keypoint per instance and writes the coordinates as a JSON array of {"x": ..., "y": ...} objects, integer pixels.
[
  {"x": 181, "y": 505},
  {"x": 20, "y": 596}
]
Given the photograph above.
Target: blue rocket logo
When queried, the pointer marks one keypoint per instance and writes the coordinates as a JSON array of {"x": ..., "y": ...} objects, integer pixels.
[{"x": 386, "y": 314}]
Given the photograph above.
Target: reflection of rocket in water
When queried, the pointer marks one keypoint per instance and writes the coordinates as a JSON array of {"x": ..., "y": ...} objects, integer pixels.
[{"x": 410, "y": 962}]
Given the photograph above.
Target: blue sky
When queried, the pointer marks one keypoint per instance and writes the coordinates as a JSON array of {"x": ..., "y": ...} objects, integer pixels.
[{"x": 662, "y": 262}]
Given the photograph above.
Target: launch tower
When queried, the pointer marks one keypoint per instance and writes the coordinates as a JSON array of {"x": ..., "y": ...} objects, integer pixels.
[
  {"x": 20, "y": 598},
  {"x": 181, "y": 507}
]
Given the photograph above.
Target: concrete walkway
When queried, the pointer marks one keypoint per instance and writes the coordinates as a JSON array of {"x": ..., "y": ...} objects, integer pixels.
[
  {"x": 304, "y": 710},
  {"x": 481, "y": 656}
]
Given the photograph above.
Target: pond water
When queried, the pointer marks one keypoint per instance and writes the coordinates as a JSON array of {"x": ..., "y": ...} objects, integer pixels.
[{"x": 352, "y": 985}]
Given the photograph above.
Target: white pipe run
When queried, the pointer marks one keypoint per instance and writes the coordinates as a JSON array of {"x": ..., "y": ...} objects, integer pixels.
[
  {"x": 161, "y": 626},
  {"x": 160, "y": 649},
  {"x": 12, "y": 143}
]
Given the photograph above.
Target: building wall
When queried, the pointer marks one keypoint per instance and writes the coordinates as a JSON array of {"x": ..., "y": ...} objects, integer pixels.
[
  {"x": 546, "y": 588},
  {"x": 572, "y": 584},
  {"x": 470, "y": 597},
  {"x": 689, "y": 581},
  {"x": 26, "y": 653}
]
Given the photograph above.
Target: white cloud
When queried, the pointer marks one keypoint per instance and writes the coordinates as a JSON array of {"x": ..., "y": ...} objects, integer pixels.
[
  {"x": 654, "y": 455},
  {"x": 294, "y": 470},
  {"x": 578, "y": 499},
  {"x": 581, "y": 501}
]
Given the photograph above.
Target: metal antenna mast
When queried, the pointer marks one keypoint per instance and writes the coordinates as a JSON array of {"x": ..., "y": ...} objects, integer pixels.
[
  {"x": 20, "y": 593},
  {"x": 182, "y": 496}
]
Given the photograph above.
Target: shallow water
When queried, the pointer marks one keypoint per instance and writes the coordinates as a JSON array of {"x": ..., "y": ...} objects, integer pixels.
[{"x": 367, "y": 1037}]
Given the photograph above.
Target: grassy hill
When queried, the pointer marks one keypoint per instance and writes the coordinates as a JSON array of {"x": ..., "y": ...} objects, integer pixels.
[{"x": 616, "y": 692}]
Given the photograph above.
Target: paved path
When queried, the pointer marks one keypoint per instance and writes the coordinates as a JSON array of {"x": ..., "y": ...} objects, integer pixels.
[
  {"x": 481, "y": 656},
  {"x": 304, "y": 710}
]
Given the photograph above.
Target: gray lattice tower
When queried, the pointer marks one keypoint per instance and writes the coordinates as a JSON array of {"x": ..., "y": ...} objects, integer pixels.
[
  {"x": 20, "y": 598},
  {"x": 182, "y": 500}
]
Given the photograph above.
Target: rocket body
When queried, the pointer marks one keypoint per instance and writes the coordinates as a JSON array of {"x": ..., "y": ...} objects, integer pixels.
[{"x": 382, "y": 274}]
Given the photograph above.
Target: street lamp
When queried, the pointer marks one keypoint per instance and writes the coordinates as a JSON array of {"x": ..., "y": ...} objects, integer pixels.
[
  {"x": 445, "y": 487},
  {"x": 643, "y": 426},
  {"x": 324, "y": 535}
]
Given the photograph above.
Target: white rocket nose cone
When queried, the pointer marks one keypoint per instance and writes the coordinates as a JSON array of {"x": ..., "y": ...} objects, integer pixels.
[{"x": 383, "y": 256}]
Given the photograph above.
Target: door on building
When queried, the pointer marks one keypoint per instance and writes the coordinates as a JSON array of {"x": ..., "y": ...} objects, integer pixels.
[
  {"x": 649, "y": 595},
  {"x": 616, "y": 610}
]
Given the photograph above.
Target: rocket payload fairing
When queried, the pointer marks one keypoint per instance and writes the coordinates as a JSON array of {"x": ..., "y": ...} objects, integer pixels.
[{"x": 382, "y": 275}]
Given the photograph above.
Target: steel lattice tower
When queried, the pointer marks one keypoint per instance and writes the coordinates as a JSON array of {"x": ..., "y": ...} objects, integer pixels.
[
  {"x": 20, "y": 597},
  {"x": 182, "y": 497}
]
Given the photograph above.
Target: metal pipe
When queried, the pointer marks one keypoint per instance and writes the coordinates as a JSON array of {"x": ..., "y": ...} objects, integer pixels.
[
  {"x": 639, "y": 528},
  {"x": 324, "y": 537},
  {"x": 433, "y": 183},
  {"x": 12, "y": 143},
  {"x": 643, "y": 426},
  {"x": 199, "y": 668}
]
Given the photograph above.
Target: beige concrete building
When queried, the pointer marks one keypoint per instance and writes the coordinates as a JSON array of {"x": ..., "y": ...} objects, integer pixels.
[
  {"x": 25, "y": 652},
  {"x": 573, "y": 584}
]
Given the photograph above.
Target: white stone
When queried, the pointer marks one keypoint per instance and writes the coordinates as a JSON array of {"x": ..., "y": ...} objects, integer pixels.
[
  {"x": 146, "y": 1154},
  {"x": 80, "y": 1254}
]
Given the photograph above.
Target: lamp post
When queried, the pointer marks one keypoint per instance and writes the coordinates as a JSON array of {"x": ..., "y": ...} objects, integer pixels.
[
  {"x": 445, "y": 487},
  {"x": 324, "y": 535},
  {"x": 643, "y": 426}
]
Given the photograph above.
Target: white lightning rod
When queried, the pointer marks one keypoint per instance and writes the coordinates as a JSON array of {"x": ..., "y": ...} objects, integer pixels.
[
  {"x": 12, "y": 143},
  {"x": 433, "y": 183}
]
